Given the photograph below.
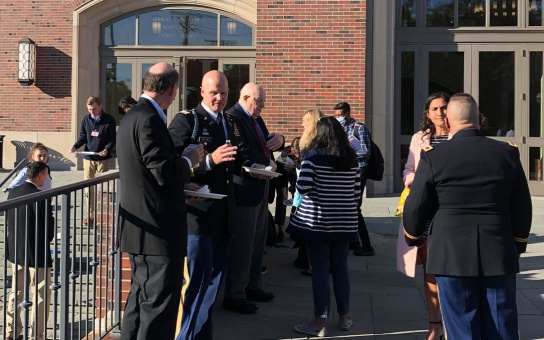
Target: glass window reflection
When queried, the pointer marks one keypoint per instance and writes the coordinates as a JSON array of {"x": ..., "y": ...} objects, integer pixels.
[
  {"x": 238, "y": 76},
  {"x": 497, "y": 75},
  {"x": 535, "y": 164},
  {"x": 407, "y": 92},
  {"x": 535, "y": 12},
  {"x": 408, "y": 13},
  {"x": 121, "y": 32},
  {"x": 440, "y": 13},
  {"x": 504, "y": 13},
  {"x": 235, "y": 33},
  {"x": 472, "y": 13},
  {"x": 118, "y": 85},
  {"x": 178, "y": 28},
  {"x": 446, "y": 70},
  {"x": 536, "y": 84}
]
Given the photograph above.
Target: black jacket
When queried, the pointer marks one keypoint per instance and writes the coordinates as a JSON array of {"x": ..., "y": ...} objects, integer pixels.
[
  {"x": 105, "y": 140},
  {"x": 248, "y": 191},
  {"x": 474, "y": 190},
  {"x": 24, "y": 223},
  {"x": 152, "y": 215},
  {"x": 209, "y": 216}
]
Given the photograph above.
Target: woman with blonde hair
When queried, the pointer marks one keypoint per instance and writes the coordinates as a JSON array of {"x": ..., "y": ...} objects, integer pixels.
[{"x": 310, "y": 118}]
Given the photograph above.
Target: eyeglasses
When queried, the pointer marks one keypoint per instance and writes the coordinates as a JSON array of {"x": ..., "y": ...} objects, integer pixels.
[{"x": 259, "y": 100}]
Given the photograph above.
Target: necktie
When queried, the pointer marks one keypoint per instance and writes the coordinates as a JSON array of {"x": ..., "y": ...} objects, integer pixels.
[
  {"x": 220, "y": 119},
  {"x": 261, "y": 138}
]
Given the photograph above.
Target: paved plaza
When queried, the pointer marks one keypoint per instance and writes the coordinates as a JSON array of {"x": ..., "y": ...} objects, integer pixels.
[{"x": 384, "y": 303}]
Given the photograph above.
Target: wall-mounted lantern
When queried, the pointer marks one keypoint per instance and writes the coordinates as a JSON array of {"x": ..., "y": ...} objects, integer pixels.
[{"x": 27, "y": 61}]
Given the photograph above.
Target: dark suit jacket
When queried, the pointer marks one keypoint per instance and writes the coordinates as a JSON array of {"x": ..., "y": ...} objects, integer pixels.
[
  {"x": 152, "y": 215},
  {"x": 475, "y": 192},
  {"x": 26, "y": 218},
  {"x": 248, "y": 191},
  {"x": 209, "y": 216}
]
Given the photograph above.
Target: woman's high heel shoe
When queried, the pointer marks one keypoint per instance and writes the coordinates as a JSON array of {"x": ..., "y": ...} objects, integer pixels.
[{"x": 441, "y": 336}]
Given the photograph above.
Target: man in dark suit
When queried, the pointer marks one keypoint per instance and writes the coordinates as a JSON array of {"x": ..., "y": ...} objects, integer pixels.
[
  {"x": 255, "y": 145},
  {"x": 23, "y": 233},
  {"x": 208, "y": 242},
  {"x": 153, "y": 220},
  {"x": 474, "y": 191}
]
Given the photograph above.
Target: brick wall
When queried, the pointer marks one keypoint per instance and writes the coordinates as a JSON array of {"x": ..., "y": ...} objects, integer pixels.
[
  {"x": 46, "y": 105},
  {"x": 310, "y": 53}
]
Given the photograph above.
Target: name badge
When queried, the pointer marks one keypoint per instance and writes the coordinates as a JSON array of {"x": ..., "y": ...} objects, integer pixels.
[
  {"x": 205, "y": 139},
  {"x": 94, "y": 133}
]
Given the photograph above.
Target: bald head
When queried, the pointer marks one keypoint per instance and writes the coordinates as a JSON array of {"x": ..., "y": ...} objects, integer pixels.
[
  {"x": 462, "y": 112},
  {"x": 253, "y": 98},
  {"x": 214, "y": 90}
]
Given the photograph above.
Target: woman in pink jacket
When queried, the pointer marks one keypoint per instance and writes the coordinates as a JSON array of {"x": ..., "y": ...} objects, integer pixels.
[{"x": 433, "y": 130}]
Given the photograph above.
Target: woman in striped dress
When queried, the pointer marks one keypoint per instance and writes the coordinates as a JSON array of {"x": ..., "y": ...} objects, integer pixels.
[
  {"x": 433, "y": 130},
  {"x": 326, "y": 219}
]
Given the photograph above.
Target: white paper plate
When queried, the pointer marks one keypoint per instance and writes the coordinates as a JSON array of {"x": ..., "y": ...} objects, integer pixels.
[
  {"x": 89, "y": 153},
  {"x": 261, "y": 172},
  {"x": 204, "y": 195}
]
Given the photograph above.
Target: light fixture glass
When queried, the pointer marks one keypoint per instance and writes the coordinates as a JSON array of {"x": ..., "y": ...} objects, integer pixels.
[
  {"x": 27, "y": 61},
  {"x": 231, "y": 27},
  {"x": 156, "y": 26}
]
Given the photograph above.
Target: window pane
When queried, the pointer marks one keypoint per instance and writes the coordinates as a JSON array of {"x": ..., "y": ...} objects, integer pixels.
[
  {"x": 535, "y": 164},
  {"x": 504, "y": 12},
  {"x": 404, "y": 151},
  {"x": 177, "y": 28},
  {"x": 446, "y": 72},
  {"x": 196, "y": 68},
  {"x": 408, "y": 13},
  {"x": 122, "y": 32},
  {"x": 535, "y": 12},
  {"x": 472, "y": 13},
  {"x": 497, "y": 74},
  {"x": 440, "y": 13},
  {"x": 535, "y": 94},
  {"x": 118, "y": 85},
  {"x": 407, "y": 94},
  {"x": 238, "y": 76},
  {"x": 235, "y": 33}
]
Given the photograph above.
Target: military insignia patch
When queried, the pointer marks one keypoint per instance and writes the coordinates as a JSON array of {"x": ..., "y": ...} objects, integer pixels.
[
  {"x": 512, "y": 144},
  {"x": 428, "y": 148}
]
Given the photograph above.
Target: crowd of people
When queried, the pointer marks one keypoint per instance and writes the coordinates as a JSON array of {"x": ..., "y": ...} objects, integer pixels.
[{"x": 194, "y": 210}]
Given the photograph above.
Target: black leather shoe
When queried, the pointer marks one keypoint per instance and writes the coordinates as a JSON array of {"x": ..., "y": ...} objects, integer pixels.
[
  {"x": 241, "y": 306},
  {"x": 259, "y": 295}
]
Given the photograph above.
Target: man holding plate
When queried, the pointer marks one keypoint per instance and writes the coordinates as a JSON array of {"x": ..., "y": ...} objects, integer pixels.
[
  {"x": 255, "y": 146},
  {"x": 209, "y": 220}
]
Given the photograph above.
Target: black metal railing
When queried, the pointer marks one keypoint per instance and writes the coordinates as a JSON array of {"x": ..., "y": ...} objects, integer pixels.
[{"x": 83, "y": 283}]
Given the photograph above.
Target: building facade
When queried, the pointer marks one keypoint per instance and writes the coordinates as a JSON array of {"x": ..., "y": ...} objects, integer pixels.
[{"x": 383, "y": 57}]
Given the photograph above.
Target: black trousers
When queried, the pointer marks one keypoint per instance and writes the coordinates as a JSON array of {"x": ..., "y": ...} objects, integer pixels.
[{"x": 152, "y": 305}]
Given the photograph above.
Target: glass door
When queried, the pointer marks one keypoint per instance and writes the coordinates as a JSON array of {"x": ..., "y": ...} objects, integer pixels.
[
  {"x": 425, "y": 69},
  {"x": 239, "y": 72},
  {"x": 532, "y": 120}
]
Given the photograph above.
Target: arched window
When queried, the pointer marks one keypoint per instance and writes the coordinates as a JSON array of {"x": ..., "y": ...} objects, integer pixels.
[{"x": 176, "y": 27}]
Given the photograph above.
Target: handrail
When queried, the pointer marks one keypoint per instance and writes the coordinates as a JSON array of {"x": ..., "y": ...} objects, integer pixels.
[
  {"x": 62, "y": 190},
  {"x": 87, "y": 265},
  {"x": 17, "y": 168}
]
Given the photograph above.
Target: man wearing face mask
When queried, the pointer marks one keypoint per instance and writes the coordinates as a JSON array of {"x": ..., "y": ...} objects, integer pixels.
[{"x": 359, "y": 138}]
